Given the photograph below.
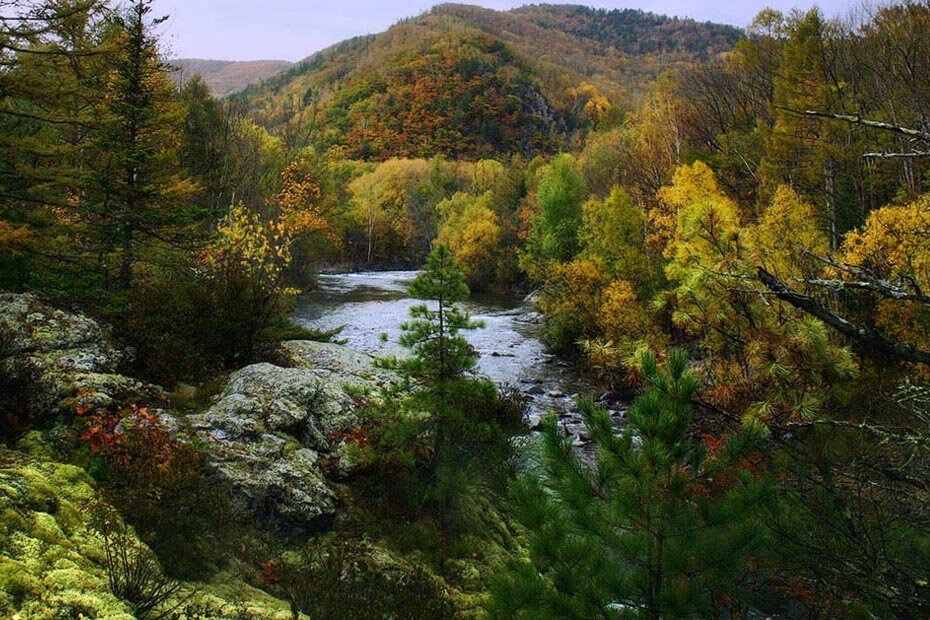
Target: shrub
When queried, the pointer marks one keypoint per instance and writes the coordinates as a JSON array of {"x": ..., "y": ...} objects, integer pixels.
[
  {"x": 345, "y": 581},
  {"x": 185, "y": 325},
  {"x": 133, "y": 572},
  {"x": 161, "y": 487}
]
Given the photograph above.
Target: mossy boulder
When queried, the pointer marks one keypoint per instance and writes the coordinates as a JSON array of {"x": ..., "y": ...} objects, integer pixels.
[
  {"x": 272, "y": 431},
  {"x": 51, "y": 561},
  {"x": 64, "y": 359}
]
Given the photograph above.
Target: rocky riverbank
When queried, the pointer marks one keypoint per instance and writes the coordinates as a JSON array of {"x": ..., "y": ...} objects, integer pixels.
[
  {"x": 268, "y": 435},
  {"x": 271, "y": 439}
]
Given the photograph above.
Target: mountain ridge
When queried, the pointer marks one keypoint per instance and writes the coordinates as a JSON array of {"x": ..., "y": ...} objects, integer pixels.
[
  {"x": 526, "y": 67},
  {"x": 225, "y": 77}
]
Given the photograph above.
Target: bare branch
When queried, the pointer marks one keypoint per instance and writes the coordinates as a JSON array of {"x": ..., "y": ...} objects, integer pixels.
[
  {"x": 858, "y": 120},
  {"x": 876, "y": 341},
  {"x": 865, "y": 280},
  {"x": 884, "y": 155}
]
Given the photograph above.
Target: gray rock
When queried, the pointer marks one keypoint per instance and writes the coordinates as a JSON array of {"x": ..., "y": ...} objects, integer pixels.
[
  {"x": 272, "y": 428},
  {"x": 555, "y": 394},
  {"x": 533, "y": 297},
  {"x": 536, "y": 391},
  {"x": 70, "y": 357},
  {"x": 343, "y": 365}
]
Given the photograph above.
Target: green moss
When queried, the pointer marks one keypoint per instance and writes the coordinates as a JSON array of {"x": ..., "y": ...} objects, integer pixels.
[
  {"x": 16, "y": 582},
  {"x": 34, "y": 443},
  {"x": 10, "y": 521},
  {"x": 69, "y": 518},
  {"x": 52, "y": 564},
  {"x": 45, "y": 528},
  {"x": 72, "y": 579},
  {"x": 228, "y": 596},
  {"x": 39, "y": 493}
]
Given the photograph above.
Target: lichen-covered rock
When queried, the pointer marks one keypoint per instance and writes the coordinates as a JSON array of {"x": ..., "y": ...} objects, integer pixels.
[
  {"x": 271, "y": 428},
  {"x": 51, "y": 562},
  {"x": 70, "y": 358},
  {"x": 344, "y": 365}
]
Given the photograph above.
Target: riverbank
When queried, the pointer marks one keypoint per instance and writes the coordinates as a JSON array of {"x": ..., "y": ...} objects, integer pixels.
[{"x": 278, "y": 445}]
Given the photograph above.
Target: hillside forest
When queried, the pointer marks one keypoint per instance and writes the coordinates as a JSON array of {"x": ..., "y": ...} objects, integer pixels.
[{"x": 726, "y": 229}]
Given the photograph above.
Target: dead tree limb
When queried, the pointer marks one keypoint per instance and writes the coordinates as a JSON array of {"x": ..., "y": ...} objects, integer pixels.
[
  {"x": 856, "y": 119},
  {"x": 874, "y": 340},
  {"x": 920, "y": 137}
]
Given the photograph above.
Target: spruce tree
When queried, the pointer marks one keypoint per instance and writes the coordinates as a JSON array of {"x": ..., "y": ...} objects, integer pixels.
[
  {"x": 660, "y": 527},
  {"x": 138, "y": 191}
]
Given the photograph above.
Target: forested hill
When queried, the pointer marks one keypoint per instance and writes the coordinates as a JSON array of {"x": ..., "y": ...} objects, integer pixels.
[
  {"x": 227, "y": 76},
  {"x": 471, "y": 82},
  {"x": 634, "y": 31}
]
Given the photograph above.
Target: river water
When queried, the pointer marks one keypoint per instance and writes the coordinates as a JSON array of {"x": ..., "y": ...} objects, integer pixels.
[{"x": 369, "y": 304}]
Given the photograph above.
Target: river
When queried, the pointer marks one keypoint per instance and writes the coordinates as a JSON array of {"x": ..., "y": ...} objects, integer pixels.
[{"x": 369, "y": 304}]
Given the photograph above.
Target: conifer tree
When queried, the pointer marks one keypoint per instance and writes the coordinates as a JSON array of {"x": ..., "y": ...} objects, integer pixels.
[
  {"x": 440, "y": 354},
  {"x": 661, "y": 527},
  {"x": 139, "y": 189}
]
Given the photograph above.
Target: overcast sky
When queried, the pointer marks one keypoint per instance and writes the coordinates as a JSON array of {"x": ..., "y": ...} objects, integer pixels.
[{"x": 294, "y": 29}]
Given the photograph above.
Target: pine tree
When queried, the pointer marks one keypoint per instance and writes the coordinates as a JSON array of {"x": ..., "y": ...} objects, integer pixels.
[
  {"x": 52, "y": 55},
  {"x": 661, "y": 527},
  {"x": 440, "y": 354}
]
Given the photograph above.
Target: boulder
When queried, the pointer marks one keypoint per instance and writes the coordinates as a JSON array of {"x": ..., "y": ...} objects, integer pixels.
[
  {"x": 272, "y": 429},
  {"x": 64, "y": 359},
  {"x": 342, "y": 365}
]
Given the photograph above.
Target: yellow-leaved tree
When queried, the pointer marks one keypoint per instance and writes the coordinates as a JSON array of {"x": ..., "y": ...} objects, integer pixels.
[
  {"x": 765, "y": 359},
  {"x": 245, "y": 267},
  {"x": 893, "y": 251},
  {"x": 389, "y": 206},
  {"x": 787, "y": 238},
  {"x": 690, "y": 185},
  {"x": 472, "y": 231},
  {"x": 571, "y": 300},
  {"x": 700, "y": 229}
]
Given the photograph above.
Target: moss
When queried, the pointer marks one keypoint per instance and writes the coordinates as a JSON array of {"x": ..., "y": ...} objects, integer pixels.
[
  {"x": 45, "y": 528},
  {"x": 52, "y": 564},
  {"x": 70, "y": 579},
  {"x": 39, "y": 493},
  {"x": 10, "y": 521},
  {"x": 16, "y": 582},
  {"x": 35, "y": 443},
  {"x": 69, "y": 518},
  {"x": 228, "y": 596}
]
